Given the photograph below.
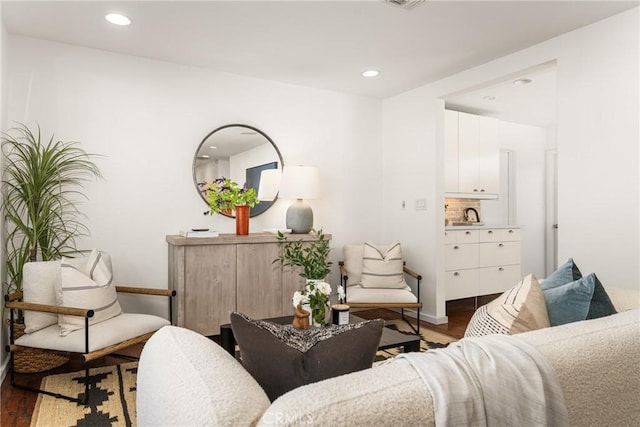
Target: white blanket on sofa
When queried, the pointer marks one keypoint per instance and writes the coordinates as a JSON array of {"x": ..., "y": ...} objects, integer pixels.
[{"x": 491, "y": 381}]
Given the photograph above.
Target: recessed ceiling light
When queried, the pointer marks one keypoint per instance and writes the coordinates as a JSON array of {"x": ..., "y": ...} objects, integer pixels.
[
  {"x": 370, "y": 73},
  {"x": 204, "y": 156},
  {"x": 117, "y": 19},
  {"x": 489, "y": 97},
  {"x": 522, "y": 81},
  {"x": 213, "y": 147}
]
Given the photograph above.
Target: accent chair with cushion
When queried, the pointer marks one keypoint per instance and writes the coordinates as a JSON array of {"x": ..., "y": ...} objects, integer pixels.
[
  {"x": 373, "y": 276},
  {"x": 71, "y": 305}
]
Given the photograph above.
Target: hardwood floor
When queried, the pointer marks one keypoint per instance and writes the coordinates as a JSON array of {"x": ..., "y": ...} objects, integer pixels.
[{"x": 18, "y": 405}]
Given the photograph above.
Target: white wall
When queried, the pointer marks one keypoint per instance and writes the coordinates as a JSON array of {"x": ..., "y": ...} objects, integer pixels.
[
  {"x": 3, "y": 122},
  {"x": 147, "y": 118},
  {"x": 597, "y": 148}
]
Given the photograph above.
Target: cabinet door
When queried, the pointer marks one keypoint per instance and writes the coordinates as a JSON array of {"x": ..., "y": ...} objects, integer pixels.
[
  {"x": 461, "y": 284},
  {"x": 210, "y": 287},
  {"x": 259, "y": 280},
  {"x": 451, "y": 151},
  {"x": 488, "y": 156},
  {"x": 460, "y": 256},
  {"x": 468, "y": 153},
  {"x": 498, "y": 279},
  {"x": 499, "y": 253}
]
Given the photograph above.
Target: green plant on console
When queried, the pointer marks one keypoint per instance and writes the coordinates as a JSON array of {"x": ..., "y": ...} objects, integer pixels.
[
  {"x": 224, "y": 195},
  {"x": 312, "y": 256},
  {"x": 41, "y": 184}
]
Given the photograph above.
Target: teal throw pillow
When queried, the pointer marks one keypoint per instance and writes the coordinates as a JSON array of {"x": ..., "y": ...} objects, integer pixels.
[
  {"x": 570, "y": 302},
  {"x": 601, "y": 304},
  {"x": 566, "y": 273}
]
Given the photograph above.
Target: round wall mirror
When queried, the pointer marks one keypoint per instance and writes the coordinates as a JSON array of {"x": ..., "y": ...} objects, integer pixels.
[{"x": 238, "y": 152}]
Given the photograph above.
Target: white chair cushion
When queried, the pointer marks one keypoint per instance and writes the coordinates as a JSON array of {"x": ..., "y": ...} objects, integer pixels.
[
  {"x": 357, "y": 293},
  {"x": 101, "y": 335},
  {"x": 185, "y": 379},
  {"x": 382, "y": 266},
  {"x": 38, "y": 281},
  {"x": 352, "y": 258},
  {"x": 86, "y": 283}
]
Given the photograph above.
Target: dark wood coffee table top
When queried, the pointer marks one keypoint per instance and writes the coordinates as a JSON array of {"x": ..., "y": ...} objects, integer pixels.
[{"x": 389, "y": 339}]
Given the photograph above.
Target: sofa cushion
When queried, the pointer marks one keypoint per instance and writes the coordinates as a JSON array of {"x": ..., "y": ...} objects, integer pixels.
[
  {"x": 566, "y": 273},
  {"x": 88, "y": 285},
  {"x": 185, "y": 379},
  {"x": 568, "y": 304},
  {"x": 382, "y": 266},
  {"x": 520, "y": 309},
  {"x": 282, "y": 358},
  {"x": 581, "y": 299}
]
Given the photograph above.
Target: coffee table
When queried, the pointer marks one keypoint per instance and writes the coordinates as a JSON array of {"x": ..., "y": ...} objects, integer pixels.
[{"x": 389, "y": 338}]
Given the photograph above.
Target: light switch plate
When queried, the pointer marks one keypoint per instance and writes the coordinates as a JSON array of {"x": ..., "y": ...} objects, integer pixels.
[{"x": 421, "y": 204}]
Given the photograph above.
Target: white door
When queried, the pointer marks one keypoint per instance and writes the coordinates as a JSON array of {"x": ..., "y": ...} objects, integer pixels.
[{"x": 551, "y": 221}]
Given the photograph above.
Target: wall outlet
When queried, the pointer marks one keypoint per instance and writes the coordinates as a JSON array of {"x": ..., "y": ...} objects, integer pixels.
[{"x": 421, "y": 204}]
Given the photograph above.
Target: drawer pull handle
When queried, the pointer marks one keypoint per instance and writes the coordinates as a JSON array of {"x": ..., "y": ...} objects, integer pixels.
[
  {"x": 482, "y": 191},
  {"x": 467, "y": 232},
  {"x": 456, "y": 247},
  {"x": 500, "y": 269},
  {"x": 500, "y": 245},
  {"x": 456, "y": 274},
  {"x": 510, "y": 231},
  {"x": 475, "y": 190},
  {"x": 490, "y": 231}
]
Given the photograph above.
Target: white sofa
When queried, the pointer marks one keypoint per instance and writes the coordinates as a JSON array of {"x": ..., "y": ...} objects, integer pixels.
[{"x": 186, "y": 379}]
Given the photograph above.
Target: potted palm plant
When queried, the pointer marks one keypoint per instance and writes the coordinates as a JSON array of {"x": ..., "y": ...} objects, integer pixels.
[
  {"x": 225, "y": 195},
  {"x": 41, "y": 188},
  {"x": 41, "y": 184}
]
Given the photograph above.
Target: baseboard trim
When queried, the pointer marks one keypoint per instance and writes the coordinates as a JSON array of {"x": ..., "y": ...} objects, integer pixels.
[{"x": 425, "y": 317}]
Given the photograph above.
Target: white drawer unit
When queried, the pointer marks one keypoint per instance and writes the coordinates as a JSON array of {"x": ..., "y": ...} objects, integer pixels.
[
  {"x": 461, "y": 256},
  {"x": 461, "y": 283},
  {"x": 493, "y": 280},
  {"x": 500, "y": 235},
  {"x": 481, "y": 261},
  {"x": 499, "y": 253}
]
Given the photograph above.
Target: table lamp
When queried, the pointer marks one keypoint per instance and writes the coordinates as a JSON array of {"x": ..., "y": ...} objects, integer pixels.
[
  {"x": 300, "y": 182},
  {"x": 269, "y": 184}
]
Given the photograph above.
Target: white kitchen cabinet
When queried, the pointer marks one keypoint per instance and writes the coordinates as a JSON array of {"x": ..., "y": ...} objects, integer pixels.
[
  {"x": 481, "y": 261},
  {"x": 472, "y": 158}
]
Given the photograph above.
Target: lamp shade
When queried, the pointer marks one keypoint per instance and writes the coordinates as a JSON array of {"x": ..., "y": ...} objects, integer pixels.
[
  {"x": 269, "y": 184},
  {"x": 300, "y": 182}
]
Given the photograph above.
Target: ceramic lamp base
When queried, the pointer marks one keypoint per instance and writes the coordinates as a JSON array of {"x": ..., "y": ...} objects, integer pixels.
[{"x": 299, "y": 217}]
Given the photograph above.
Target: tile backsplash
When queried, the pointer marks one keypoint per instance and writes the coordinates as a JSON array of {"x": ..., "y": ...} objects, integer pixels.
[{"x": 454, "y": 212}]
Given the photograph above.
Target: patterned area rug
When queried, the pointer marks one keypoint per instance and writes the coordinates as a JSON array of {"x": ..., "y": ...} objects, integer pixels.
[
  {"x": 112, "y": 398},
  {"x": 428, "y": 340},
  {"x": 113, "y": 389}
]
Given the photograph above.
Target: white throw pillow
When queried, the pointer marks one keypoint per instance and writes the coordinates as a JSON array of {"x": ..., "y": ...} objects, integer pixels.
[
  {"x": 86, "y": 283},
  {"x": 352, "y": 255},
  {"x": 520, "y": 309},
  {"x": 382, "y": 266}
]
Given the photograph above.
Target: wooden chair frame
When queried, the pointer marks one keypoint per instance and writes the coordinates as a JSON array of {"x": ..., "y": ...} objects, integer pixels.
[
  {"x": 14, "y": 302},
  {"x": 400, "y": 305}
]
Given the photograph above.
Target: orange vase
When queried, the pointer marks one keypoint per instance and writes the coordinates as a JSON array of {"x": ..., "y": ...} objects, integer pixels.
[{"x": 242, "y": 220}]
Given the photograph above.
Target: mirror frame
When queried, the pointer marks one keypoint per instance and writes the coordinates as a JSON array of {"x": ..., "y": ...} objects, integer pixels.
[{"x": 195, "y": 157}]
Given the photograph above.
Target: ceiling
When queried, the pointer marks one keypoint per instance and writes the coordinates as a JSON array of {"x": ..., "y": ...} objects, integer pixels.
[{"x": 321, "y": 44}]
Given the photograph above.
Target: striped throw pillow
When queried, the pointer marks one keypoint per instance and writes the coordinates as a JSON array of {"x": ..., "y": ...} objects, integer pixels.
[
  {"x": 382, "y": 266},
  {"x": 86, "y": 285},
  {"x": 520, "y": 309}
]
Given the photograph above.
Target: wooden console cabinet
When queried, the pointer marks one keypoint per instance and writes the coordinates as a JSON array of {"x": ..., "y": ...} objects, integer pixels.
[{"x": 215, "y": 276}]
